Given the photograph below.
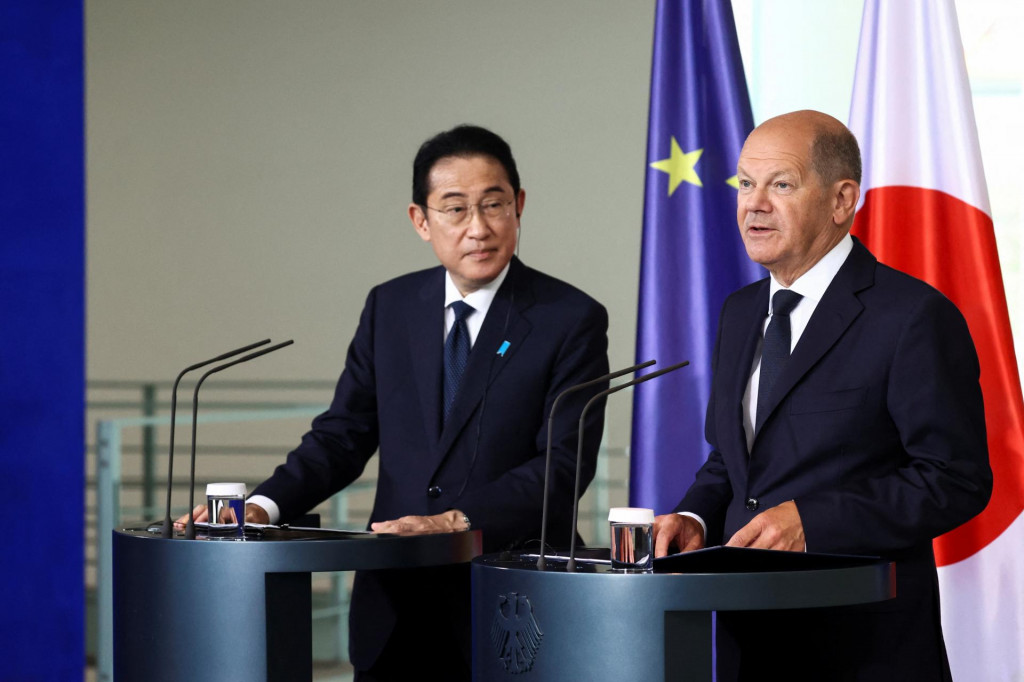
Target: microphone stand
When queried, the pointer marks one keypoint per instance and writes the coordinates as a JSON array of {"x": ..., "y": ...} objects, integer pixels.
[
  {"x": 541, "y": 562},
  {"x": 190, "y": 528},
  {"x": 167, "y": 531},
  {"x": 570, "y": 567}
]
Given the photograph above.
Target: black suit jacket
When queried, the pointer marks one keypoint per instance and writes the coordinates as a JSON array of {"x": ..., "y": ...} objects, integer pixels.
[
  {"x": 877, "y": 432},
  {"x": 488, "y": 458}
]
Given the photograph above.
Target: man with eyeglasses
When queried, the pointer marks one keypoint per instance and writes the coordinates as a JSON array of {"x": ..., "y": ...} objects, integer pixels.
[{"x": 451, "y": 374}]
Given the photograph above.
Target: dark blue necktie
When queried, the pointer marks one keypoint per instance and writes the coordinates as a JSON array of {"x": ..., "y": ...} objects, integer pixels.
[
  {"x": 456, "y": 353},
  {"x": 775, "y": 349}
]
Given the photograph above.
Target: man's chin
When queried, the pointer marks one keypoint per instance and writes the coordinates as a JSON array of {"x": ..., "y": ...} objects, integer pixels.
[
  {"x": 759, "y": 252},
  {"x": 482, "y": 274},
  {"x": 485, "y": 277}
]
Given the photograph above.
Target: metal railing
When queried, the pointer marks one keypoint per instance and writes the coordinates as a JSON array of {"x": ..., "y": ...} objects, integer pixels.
[
  {"x": 147, "y": 484},
  {"x": 151, "y": 398}
]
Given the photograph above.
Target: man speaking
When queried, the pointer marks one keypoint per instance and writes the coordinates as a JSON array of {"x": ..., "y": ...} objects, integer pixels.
[
  {"x": 845, "y": 417},
  {"x": 450, "y": 377}
]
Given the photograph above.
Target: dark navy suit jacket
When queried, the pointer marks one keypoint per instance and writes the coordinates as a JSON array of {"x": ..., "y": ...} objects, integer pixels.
[
  {"x": 877, "y": 432},
  {"x": 488, "y": 458}
]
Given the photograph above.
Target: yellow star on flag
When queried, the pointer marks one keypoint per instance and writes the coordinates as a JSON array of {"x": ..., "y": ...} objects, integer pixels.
[
  {"x": 679, "y": 167},
  {"x": 733, "y": 182}
]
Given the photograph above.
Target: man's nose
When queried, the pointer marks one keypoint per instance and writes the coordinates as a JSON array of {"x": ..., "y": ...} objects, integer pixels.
[
  {"x": 477, "y": 228},
  {"x": 755, "y": 199}
]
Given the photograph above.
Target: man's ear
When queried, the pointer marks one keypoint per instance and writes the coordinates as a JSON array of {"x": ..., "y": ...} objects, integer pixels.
[
  {"x": 847, "y": 194},
  {"x": 419, "y": 221},
  {"x": 520, "y": 202}
]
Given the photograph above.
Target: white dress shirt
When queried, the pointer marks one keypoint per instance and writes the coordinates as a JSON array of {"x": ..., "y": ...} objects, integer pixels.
[
  {"x": 811, "y": 286},
  {"x": 480, "y": 300}
]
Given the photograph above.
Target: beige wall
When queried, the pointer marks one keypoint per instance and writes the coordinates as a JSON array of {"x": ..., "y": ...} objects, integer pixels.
[{"x": 249, "y": 162}]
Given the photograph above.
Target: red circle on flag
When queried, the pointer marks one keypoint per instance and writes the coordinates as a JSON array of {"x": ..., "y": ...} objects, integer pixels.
[{"x": 951, "y": 245}]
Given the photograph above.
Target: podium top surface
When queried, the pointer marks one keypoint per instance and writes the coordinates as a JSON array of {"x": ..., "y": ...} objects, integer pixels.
[
  {"x": 308, "y": 550},
  {"x": 715, "y": 579}
]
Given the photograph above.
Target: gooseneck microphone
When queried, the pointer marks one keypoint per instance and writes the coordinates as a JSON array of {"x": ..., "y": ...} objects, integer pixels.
[
  {"x": 190, "y": 528},
  {"x": 547, "y": 461},
  {"x": 168, "y": 527},
  {"x": 571, "y": 565}
]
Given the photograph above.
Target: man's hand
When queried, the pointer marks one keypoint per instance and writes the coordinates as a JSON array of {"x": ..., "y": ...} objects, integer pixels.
[
  {"x": 438, "y": 523},
  {"x": 676, "y": 530},
  {"x": 776, "y": 528},
  {"x": 253, "y": 514}
]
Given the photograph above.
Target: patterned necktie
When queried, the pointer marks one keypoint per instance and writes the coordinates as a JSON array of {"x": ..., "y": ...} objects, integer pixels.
[
  {"x": 456, "y": 353},
  {"x": 775, "y": 349}
]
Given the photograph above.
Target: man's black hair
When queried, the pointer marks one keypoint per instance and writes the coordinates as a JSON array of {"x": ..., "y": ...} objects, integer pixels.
[{"x": 461, "y": 141}]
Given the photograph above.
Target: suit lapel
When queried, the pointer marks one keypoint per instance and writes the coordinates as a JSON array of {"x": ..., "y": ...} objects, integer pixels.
[
  {"x": 738, "y": 360},
  {"x": 426, "y": 331},
  {"x": 504, "y": 322},
  {"x": 836, "y": 311}
]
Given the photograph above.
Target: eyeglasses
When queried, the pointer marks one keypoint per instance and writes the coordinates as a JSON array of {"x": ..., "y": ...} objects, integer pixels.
[{"x": 458, "y": 214}]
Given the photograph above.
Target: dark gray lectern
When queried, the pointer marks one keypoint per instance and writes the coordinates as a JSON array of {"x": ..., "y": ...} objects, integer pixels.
[
  {"x": 599, "y": 625},
  {"x": 211, "y": 609}
]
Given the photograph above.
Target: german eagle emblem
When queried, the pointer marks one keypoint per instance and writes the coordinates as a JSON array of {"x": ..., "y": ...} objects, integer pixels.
[{"x": 515, "y": 633}]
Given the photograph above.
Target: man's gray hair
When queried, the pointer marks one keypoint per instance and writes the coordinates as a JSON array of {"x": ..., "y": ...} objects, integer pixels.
[{"x": 835, "y": 155}]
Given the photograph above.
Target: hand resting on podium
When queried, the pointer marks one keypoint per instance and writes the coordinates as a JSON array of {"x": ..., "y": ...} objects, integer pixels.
[
  {"x": 449, "y": 521},
  {"x": 676, "y": 530},
  {"x": 777, "y": 528}
]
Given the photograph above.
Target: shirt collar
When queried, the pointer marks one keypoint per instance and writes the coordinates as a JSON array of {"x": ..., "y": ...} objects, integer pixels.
[
  {"x": 813, "y": 283},
  {"x": 480, "y": 299}
]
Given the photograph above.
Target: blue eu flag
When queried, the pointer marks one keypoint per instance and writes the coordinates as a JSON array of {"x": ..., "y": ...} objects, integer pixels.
[{"x": 692, "y": 255}]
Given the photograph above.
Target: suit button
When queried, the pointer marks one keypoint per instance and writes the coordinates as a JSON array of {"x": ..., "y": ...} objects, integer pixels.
[
  {"x": 752, "y": 503},
  {"x": 434, "y": 491}
]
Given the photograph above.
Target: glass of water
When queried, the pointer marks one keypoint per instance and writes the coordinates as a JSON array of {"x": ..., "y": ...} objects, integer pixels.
[
  {"x": 225, "y": 503},
  {"x": 632, "y": 548}
]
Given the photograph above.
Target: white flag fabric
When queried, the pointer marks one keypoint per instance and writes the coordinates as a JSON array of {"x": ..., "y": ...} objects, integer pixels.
[{"x": 925, "y": 211}]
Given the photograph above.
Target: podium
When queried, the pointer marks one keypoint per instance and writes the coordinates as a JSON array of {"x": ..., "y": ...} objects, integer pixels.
[
  {"x": 241, "y": 609},
  {"x": 596, "y": 624}
]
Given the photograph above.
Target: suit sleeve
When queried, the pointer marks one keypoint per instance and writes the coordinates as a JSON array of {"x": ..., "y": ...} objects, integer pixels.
[
  {"x": 508, "y": 508},
  {"x": 711, "y": 492},
  {"x": 334, "y": 452},
  {"x": 939, "y": 475}
]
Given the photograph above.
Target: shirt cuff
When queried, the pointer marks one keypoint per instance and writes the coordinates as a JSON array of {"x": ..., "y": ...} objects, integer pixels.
[
  {"x": 699, "y": 520},
  {"x": 269, "y": 506}
]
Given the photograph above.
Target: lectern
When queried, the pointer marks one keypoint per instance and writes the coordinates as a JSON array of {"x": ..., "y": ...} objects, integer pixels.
[
  {"x": 214, "y": 609},
  {"x": 596, "y": 624}
]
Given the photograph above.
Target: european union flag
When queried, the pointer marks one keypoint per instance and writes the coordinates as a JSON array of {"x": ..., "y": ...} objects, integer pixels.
[{"x": 692, "y": 255}]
